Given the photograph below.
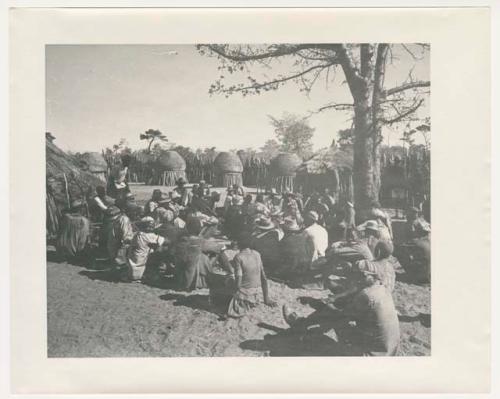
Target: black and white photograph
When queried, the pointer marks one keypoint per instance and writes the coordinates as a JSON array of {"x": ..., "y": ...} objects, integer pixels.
[{"x": 209, "y": 200}]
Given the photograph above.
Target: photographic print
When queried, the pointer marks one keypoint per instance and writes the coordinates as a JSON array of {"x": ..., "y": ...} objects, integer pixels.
[{"x": 212, "y": 200}]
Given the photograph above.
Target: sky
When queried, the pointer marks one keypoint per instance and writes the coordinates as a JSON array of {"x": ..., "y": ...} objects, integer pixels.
[{"x": 98, "y": 94}]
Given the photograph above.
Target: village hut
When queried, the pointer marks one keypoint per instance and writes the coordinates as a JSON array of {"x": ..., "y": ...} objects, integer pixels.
[
  {"x": 228, "y": 169},
  {"x": 328, "y": 168},
  {"x": 172, "y": 167},
  {"x": 66, "y": 181},
  {"x": 95, "y": 163},
  {"x": 283, "y": 170}
]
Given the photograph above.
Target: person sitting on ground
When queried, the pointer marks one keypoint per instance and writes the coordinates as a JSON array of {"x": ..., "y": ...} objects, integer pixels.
[
  {"x": 370, "y": 316},
  {"x": 351, "y": 250},
  {"x": 371, "y": 234},
  {"x": 235, "y": 220},
  {"x": 119, "y": 232},
  {"x": 152, "y": 204},
  {"x": 290, "y": 207},
  {"x": 416, "y": 225},
  {"x": 383, "y": 266},
  {"x": 296, "y": 249},
  {"x": 238, "y": 190},
  {"x": 99, "y": 202},
  {"x": 257, "y": 209},
  {"x": 266, "y": 237},
  {"x": 317, "y": 233},
  {"x": 375, "y": 318},
  {"x": 375, "y": 212},
  {"x": 167, "y": 228},
  {"x": 142, "y": 244},
  {"x": 191, "y": 264},
  {"x": 250, "y": 279},
  {"x": 73, "y": 240}
]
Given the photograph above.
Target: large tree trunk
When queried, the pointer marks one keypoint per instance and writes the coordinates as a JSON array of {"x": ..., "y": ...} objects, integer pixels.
[{"x": 366, "y": 174}]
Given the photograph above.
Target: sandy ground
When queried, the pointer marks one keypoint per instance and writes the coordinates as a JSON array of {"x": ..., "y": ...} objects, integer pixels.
[{"x": 89, "y": 315}]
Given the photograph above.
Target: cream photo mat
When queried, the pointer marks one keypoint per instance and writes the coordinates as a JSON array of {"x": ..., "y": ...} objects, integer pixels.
[{"x": 460, "y": 111}]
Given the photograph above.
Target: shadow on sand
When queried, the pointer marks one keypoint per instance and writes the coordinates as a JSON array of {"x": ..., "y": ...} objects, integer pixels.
[{"x": 322, "y": 333}]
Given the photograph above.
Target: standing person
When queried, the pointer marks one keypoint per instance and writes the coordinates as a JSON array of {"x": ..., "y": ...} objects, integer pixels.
[
  {"x": 142, "y": 244},
  {"x": 250, "y": 279},
  {"x": 182, "y": 191},
  {"x": 119, "y": 232},
  {"x": 74, "y": 234},
  {"x": 235, "y": 219},
  {"x": 317, "y": 234},
  {"x": 371, "y": 237},
  {"x": 349, "y": 221},
  {"x": 192, "y": 266}
]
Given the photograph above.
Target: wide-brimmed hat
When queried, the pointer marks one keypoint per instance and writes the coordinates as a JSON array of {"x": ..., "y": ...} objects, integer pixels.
[
  {"x": 290, "y": 224},
  {"x": 313, "y": 215},
  {"x": 264, "y": 223},
  {"x": 370, "y": 225},
  {"x": 164, "y": 201},
  {"x": 181, "y": 181}
]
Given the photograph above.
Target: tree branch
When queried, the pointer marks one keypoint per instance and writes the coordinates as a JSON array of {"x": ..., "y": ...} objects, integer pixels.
[
  {"x": 279, "y": 52},
  {"x": 277, "y": 81},
  {"x": 402, "y": 115},
  {"x": 406, "y": 86}
]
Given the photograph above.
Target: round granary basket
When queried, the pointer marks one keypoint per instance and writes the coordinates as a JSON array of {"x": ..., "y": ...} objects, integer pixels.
[
  {"x": 285, "y": 164},
  {"x": 171, "y": 161},
  {"x": 228, "y": 168},
  {"x": 172, "y": 168},
  {"x": 283, "y": 169}
]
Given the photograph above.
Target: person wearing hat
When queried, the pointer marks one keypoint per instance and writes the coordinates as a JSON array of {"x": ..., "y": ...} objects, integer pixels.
[
  {"x": 416, "y": 225},
  {"x": 364, "y": 316},
  {"x": 153, "y": 203},
  {"x": 266, "y": 238},
  {"x": 73, "y": 240},
  {"x": 144, "y": 242},
  {"x": 371, "y": 234},
  {"x": 296, "y": 249},
  {"x": 374, "y": 318},
  {"x": 382, "y": 266},
  {"x": 250, "y": 279},
  {"x": 182, "y": 191},
  {"x": 317, "y": 234},
  {"x": 167, "y": 228},
  {"x": 119, "y": 231},
  {"x": 192, "y": 266}
]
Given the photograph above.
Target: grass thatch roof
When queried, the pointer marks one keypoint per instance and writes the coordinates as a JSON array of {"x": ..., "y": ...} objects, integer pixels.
[
  {"x": 228, "y": 162},
  {"x": 172, "y": 161},
  {"x": 285, "y": 164},
  {"x": 327, "y": 160},
  {"x": 94, "y": 162},
  {"x": 60, "y": 164}
]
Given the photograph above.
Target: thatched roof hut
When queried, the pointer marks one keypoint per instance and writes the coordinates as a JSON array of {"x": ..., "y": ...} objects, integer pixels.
[
  {"x": 283, "y": 169},
  {"x": 228, "y": 168},
  {"x": 328, "y": 168},
  {"x": 172, "y": 167},
  {"x": 95, "y": 163},
  {"x": 66, "y": 181}
]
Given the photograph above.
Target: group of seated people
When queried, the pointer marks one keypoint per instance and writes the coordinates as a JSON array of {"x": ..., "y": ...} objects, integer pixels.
[{"x": 185, "y": 237}]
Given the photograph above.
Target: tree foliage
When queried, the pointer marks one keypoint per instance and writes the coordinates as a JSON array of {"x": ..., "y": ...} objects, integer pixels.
[
  {"x": 294, "y": 134},
  {"x": 152, "y": 135}
]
